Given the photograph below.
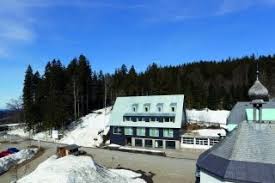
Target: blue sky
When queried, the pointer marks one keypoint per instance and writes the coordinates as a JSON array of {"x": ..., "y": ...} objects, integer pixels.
[{"x": 138, "y": 32}]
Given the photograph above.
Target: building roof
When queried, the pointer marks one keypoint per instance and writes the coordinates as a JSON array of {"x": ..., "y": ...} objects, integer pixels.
[
  {"x": 258, "y": 91},
  {"x": 245, "y": 155},
  {"x": 124, "y": 107},
  {"x": 238, "y": 112}
]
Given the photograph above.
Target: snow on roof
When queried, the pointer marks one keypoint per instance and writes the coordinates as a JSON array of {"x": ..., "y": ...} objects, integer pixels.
[
  {"x": 124, "y": 105},
  {"x": 71, "y": 169}
]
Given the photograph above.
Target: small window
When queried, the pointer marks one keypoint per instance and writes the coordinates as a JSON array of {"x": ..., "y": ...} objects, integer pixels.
[
  {"x": 134, "y": 119},
  {"x": 154, "y": 132},
  {"x": 173, "y": 109},
  {"x": 201, "y": 141},
  {"x": 134, "y": 107},
  {"x": 159, "y": 109},
  {"x": 117, "y": 130},
  {"x": 168, "y": 132},
  {"x": 128, "y": 131},
  {"x": 146, "y": 107},
  {"x": 147, "y": 119},
  {"x": 166, "y": 119},
  {"x": 187, "y": 140},
  {"x": 160, "y": 119},
  {"x": 139, "y": 118},
  {"x": 140, "y": 131}
]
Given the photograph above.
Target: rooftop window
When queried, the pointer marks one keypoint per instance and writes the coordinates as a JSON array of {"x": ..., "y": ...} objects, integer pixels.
[{"x": 146, "y": 107}]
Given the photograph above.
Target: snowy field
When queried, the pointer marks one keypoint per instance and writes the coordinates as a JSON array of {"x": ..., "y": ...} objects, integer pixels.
[
  {"x": 207, "y": 116},
  {"x": 16, "y": 158},
  {"x": 72, "y": 169}
]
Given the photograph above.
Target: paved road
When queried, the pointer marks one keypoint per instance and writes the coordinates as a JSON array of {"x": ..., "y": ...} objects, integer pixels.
[{"x": 164, "y": 169}]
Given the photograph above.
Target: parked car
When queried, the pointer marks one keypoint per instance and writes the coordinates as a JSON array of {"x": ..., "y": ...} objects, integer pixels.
[{"x": 4, "y": 153}]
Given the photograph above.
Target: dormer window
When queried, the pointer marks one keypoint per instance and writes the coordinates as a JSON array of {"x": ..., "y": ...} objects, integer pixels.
[
  {"x": 134, "y": 107},
  {"x": 173, "y": 107},
  {"x": 159, "y": 107},
  {"x": 146, "y": 107}
]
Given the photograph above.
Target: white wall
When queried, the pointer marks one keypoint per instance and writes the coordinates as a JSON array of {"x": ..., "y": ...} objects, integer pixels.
[{"x": 205, "y": 178}]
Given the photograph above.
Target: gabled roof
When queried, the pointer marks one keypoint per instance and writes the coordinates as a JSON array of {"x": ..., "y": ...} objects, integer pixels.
[
  {"x": 123, "y": 107},
  {"x": 245, "y": 155}
]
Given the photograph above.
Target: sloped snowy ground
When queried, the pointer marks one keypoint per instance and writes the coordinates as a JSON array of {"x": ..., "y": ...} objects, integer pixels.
[
  {"x": 207, "y": 116},
  {"x": 73, "y": 169},
  {"x": 85, "y": 133},
  {"x": 16, "y": 158}
]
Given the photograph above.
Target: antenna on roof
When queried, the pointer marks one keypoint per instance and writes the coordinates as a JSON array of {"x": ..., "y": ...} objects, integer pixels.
[{"x": 257, "y": 72}]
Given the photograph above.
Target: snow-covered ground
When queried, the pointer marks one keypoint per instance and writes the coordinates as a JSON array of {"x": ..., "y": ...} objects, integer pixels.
[
  {"x": 86, "y": 133},
  {"x": 16, "y": 158},
  {"x": 72, "y": 169},
  {"x": 207, "y": 116},
  {"x": 210, "y": 132}
]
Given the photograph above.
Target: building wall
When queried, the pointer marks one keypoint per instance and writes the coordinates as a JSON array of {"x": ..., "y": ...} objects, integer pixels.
[
  {"x": 206, "y": 178},
  {"x": 121, "y": 139}
]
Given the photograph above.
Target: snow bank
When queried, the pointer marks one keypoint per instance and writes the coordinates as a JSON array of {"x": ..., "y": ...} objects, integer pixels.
[
  {"x": 71, "y": 169},
  {"x": 210, "y": 132},
  {"x": 207, "y": 116},
  {"x": 16, "y": 158},
  {"x": 87, "y": 133}
]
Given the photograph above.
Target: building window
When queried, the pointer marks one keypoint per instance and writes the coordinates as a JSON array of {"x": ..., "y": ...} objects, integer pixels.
[
  {"x": 147, "y": 119},
  {"x": 154, "y": 132},
  {"x": 173, "y": 107},
  {"x": 134, "y": 119},
  {"x": 159, "y": 107},
  {"x": 160, "y": 119},
  {"x": 168, "y": 132},
  {"x": 172, "y": 119},
  {"x": 134, "y": 107},
  {"x": 166, "y": 119},
  {"x": 170, "y": 144},
  {"x": 202, "y": 141},
  {"x": 152, "y": 119},
  {"x": 146, "y": 107},
  {"x": 117, "y": 130},
  {"x": 138, "y": 142},
  {"x": 214, "y": 141},
  {"x": 140, "y": 131},
  {"x": 187, "y": 140},
  {"x": 128, "y": 131},
  {"x": 139, "y": 118},
  {"x": 148, "y": 143},
  {"x": 158, "y": 144}
]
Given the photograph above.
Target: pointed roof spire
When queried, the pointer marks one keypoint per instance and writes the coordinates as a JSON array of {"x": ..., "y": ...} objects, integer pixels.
[{"x": 257, "y": 72}]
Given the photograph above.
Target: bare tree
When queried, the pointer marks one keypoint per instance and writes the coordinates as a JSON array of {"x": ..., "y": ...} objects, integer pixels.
[{"x": 16, "y": 108}]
